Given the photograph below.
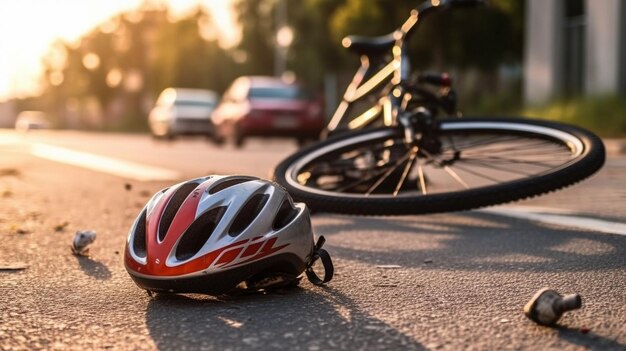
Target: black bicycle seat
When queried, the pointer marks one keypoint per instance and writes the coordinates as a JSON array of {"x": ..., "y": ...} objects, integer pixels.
[{"x": 369, "y": 45}]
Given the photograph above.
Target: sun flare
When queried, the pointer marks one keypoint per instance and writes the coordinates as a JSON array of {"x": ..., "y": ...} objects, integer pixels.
[{"x": 29, "y": 27}]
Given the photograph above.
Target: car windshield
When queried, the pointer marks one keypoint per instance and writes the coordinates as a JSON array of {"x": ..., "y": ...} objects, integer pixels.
[
  {"x": 194, "y": 103},
  {"x": 289, "y": 93}
]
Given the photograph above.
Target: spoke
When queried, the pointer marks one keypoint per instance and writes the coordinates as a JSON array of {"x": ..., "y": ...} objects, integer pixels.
[
  {"x": 523, "y": 148},
  {"x": 482, "y": 142},
  {"x": 408, "y": 167},
  {"x": 539, "y": 160},
  {"x": 384, "y": 177},
  {"x": 528, "y": 147},
  {"x": 343, "y": 165},
  {"x": 365, "y": 168},
  {"x": 476, "y": 173},
  {"x": 420, "y": 171},
  {"x": 514, "y": 161},
  {"x": 362, "y": 181},
  {"x": 478, "y": 163},
  {"x": 520, "y": 153},
  {"x": 340, "y": 169},
  {"x": 447, "y": 168},
  {"x": 536, "y": 157},
  {"x": 360, "y": 152},
  {"x": 456, "y": 177}
]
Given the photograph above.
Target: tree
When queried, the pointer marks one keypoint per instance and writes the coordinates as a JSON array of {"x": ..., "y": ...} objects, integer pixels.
[
  {"x": 481, "y": 36},
  {"x": 315, "y": 52},
  {"x": 125, "y": 62},
  {"x": 184, "y": 58},
  {"x": 256, "y": 18}
]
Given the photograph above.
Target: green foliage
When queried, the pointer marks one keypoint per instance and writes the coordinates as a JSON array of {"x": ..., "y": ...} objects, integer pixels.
[
  {"x": 605, "y": 116},
  {"x": 482, "y": 36},
  {"x": 357, "y": 16},
  {"x": 258, "y": 28},
  {"x": 147, "y": 52},
  {"x": 183, "y": 58},
  {"x": 313, "y": 52},
  {"x": 506, "y": 102},
  {"x": 147, "y": 44}
]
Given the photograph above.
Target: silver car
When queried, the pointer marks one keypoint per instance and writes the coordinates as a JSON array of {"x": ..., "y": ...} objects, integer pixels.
[{"x": 183, "y": 111}]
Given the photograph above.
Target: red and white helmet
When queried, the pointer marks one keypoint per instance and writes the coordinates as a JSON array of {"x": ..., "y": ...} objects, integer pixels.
[{"x": 209, "y": 235}]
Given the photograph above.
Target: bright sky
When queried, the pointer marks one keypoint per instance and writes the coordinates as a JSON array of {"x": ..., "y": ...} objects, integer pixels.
[{"x": 28, "y": 27}]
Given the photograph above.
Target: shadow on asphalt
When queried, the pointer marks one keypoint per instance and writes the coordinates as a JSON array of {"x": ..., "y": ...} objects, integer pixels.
[
  {"x": 496, "y": 243},
  {"x": 94, "y": 268},
  {"x": 300, "y": 319},
  {"x": 589, "y": 341}
]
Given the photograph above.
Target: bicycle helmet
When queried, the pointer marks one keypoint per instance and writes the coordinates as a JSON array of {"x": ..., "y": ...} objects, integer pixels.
[{"x": 212, "y": 234}]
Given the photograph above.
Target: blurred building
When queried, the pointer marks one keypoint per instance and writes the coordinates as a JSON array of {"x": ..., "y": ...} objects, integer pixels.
[{"x": 574, "y": 48}]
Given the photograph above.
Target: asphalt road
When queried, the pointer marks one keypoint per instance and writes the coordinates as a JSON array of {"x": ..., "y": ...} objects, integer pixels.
[{"x": 448, "y": 281}]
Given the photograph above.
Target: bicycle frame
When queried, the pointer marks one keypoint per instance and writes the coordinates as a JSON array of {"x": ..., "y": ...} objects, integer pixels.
[{"x": 375, "y": 71}]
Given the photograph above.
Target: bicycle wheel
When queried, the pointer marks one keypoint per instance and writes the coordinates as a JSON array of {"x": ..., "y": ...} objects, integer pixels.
[{"x": 462, "y": 164}]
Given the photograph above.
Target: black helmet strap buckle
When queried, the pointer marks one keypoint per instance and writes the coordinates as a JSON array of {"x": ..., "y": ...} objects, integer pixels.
[{"x": 321, "y": 254}]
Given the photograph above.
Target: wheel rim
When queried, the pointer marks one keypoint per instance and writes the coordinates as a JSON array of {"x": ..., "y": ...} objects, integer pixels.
[{"x": 472, "y": 155}]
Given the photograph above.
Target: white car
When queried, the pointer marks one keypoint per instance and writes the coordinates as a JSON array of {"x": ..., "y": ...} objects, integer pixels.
[
  {"x": 183, "y": 111},
  {"x": 29, "y": 120}
]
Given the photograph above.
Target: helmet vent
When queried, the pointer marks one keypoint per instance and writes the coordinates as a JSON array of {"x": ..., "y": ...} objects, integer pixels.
[
  {"x": 285, "y": 215},
  {"x": 198, "y": 233},
  {"x": 139, "y": 240},
  {"x": 227, "y": 184},
  {"x": 248, "y": 213},
  {"x": 172, "y": 207}
]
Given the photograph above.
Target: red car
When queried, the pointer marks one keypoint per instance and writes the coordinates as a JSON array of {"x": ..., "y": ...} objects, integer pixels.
[{"x": 255, "y": 106}]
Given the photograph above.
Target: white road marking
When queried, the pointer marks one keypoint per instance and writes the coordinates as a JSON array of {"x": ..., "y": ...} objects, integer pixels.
[
  {"x": 559, "y": 217},
  {"x": 8, "y": 139},
  {"x": 109, "y": 165}
]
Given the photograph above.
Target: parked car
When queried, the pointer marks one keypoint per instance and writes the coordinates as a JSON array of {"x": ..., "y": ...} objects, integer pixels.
[
  {"x": 29, "y": 120},
  {"x": 183, "y": 111},
  {"x": 267, "y": 107}
]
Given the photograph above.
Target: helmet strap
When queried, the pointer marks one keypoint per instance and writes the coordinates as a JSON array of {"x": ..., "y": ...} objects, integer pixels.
[{"x": 319, "y": 253}]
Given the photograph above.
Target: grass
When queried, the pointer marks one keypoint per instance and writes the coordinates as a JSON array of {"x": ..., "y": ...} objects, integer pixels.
[{"x": 605, "y": 116}]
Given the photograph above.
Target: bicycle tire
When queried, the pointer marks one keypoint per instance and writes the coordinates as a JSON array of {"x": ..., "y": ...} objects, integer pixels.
[{"x": 582, "y": 155}]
